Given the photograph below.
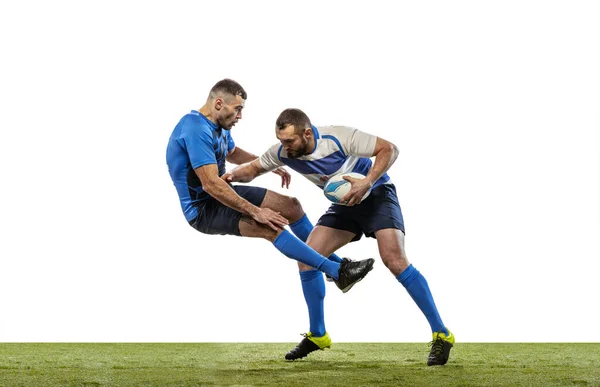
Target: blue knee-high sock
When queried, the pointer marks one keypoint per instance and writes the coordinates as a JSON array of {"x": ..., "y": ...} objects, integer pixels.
[
  {"x": 417, "y": 287},
  {"x": 294, "y": 248},
  {"x": 313, "y": 287},
  {"x": 302, "y": 228}
]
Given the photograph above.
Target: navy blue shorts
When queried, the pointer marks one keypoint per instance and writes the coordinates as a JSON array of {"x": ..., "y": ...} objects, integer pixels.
[
  {"x": 379, "y": 211},
  {"x": 217, "y": 219}
]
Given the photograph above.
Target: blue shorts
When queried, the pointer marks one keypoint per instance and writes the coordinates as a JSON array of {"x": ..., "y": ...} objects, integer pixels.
[
  {"x": 379, "y": 211},
  {"x": 217, "y": 219}
]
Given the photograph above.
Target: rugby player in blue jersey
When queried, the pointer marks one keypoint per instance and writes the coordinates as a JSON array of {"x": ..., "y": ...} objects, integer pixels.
[
  {"x": 198, "y": 148},
  {"x": 317, "y": 154}
]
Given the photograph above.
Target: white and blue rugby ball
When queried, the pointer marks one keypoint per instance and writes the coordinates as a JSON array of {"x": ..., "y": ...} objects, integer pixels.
[{"x": 336, "y": 187}]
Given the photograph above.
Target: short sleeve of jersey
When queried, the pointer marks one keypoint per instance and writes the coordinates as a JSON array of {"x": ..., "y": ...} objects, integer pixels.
[
  {"x": 270, "y": 159},
  {"x": 354, "y": 142},
  {"x": 199, "y": 145},
  {"x": 230, "y": 142}
]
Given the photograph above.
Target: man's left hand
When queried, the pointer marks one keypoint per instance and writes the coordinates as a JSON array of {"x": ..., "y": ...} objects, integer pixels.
[
  {"x": 286, "y": 178},
  {"x": 227, "y": 177},
  {"x": 359, "y": 188}
]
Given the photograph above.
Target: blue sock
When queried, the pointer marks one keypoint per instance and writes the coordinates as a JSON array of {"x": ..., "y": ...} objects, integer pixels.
[
  {"x": 417, "y": 287},
  {"x": 313, "y": 287},
  {"x": 294, "y": 248},
  {"x": 302, "y": 228}
]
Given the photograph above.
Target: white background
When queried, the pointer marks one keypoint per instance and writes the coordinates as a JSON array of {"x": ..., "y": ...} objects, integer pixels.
[{"x": 494, "y": 106}]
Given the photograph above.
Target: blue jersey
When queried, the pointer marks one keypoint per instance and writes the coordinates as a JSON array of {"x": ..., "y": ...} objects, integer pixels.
[{"x": 195, "y": 141}]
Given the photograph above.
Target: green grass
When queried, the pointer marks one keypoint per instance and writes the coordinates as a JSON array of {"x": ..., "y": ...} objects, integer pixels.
[{"x": 356, "y": 364}]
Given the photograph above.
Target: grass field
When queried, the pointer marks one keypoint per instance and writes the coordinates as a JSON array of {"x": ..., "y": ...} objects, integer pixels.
[{"x": 347, "y": 364}]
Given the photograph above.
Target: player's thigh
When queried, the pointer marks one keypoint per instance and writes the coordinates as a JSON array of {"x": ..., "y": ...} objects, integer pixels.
[
  {"x": 289, "y": 207},
  {"x": 342, "y": 218},
  {"x": 248, "y": 227},
  {"x": 390, "y": 242},
  {"x": 215, "y": 218},
  {"x": 381, "y": 210},
  {"x": 326, "y": 240},
  {"x": 255, "y": 195}
]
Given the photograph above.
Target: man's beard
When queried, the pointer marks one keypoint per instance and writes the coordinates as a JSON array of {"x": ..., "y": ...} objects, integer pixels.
[
  {"x": 300, "y": 152},
  {"x": 226, "y": 123}
]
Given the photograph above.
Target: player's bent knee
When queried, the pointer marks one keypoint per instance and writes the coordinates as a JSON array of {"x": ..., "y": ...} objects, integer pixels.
[
  {"x": 396, "y": 263},
  {"x": 295, "y": 208}
]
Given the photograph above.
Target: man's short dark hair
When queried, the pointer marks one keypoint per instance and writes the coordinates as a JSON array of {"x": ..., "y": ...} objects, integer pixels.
[
  {"x": 228, "y": 86},
  {"x": 294, "y": 117}
]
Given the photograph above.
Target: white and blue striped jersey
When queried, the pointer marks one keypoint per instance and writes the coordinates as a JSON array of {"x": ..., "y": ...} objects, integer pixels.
[{"x": 338, "y": 149}]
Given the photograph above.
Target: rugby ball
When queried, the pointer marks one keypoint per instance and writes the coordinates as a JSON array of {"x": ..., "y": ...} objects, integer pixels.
[{"x": 336, "y": 187}]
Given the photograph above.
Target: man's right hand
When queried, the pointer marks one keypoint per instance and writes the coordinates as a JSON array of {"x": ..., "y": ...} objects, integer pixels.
[{"x": 270, "y": 218}]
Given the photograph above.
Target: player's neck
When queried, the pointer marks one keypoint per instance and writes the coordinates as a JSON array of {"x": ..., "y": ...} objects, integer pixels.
[
  {"x": 311, "y": 145},
  {"x": 206, "y": 111}
]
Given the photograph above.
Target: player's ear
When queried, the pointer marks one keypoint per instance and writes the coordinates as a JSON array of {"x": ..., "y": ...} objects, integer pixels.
[
  {"x": 308, "y": 132},
  {"x": 218, "y": 103}
]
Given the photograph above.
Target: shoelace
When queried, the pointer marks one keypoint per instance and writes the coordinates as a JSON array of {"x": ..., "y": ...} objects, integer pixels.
[{"x": 438, "y": 346}]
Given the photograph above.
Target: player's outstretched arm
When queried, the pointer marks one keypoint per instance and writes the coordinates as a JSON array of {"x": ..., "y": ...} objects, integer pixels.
[
  {"x": 244, "y": 173},
  {"x": 247, "y": 172},
  {"x": 239, "y": 156},
  {"x": 220, "y": 190}
]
